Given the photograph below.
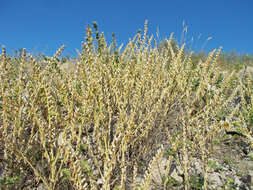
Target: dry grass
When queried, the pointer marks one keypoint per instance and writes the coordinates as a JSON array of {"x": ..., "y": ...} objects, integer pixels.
[{"x": 114, "y": 116}]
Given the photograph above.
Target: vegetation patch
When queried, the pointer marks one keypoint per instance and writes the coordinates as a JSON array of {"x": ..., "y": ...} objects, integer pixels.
[{"x": 116, "y": 114}]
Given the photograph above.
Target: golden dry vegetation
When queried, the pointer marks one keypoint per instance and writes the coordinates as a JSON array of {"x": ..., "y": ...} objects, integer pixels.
[{"x": 105, "y": 124}]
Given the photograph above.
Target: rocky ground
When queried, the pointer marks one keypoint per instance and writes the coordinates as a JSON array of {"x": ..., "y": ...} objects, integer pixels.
[{"x": 230, "y": 167}]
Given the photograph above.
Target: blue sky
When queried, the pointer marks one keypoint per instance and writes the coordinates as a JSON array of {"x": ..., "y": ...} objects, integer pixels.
[{"x": 44, "y": 25}]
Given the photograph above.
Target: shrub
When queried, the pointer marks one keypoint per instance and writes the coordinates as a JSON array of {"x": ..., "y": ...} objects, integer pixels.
[{"x": 94, "y": 128}]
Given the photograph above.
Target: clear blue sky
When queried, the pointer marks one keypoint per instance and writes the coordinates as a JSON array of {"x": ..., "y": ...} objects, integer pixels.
[{"x": 44, "y": 25}]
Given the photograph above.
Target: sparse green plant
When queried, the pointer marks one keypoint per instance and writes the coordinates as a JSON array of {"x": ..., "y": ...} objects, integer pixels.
[
  {"x": 229, "y": 184},
  {"x": 229, "y": 161},
  {"x": 171, "y": 182},
  {"x": 196, "y": 182},
  {"x": 8, "y": 181},
  {"x": 213, "y": 165}
]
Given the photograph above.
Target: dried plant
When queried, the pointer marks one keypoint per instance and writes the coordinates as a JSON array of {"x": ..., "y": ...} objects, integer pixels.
[{"x": 101, "y": 126}]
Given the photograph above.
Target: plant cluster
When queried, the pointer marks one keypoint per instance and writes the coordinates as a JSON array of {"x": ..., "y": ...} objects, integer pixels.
[{"x": 115, "y": 116}]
